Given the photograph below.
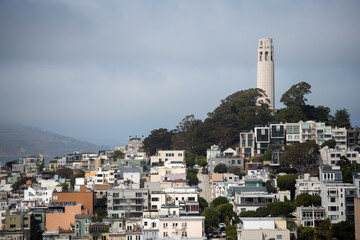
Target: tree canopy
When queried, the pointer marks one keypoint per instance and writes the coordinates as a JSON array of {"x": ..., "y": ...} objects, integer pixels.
[
  {"x": 158, "y": 139},
  {"x": 221, "y": 168},
  {"x": 295, "y": 96}
]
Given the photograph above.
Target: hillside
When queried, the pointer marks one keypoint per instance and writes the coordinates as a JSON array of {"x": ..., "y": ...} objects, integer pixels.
[{"x": 17, "y": 140}]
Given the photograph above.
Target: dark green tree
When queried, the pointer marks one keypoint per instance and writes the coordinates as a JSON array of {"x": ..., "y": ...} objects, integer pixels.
[
  {"x": 302, "y": 156},
  {"x": 189, "y": 159},
  {"x": 290, "y": 114},
  {"x": 262, "y": 212},
  {"x": 343, "y": 230},
  {"x": 304, "y": 199},
  {"x": 307, "y": 233},
  {"x": 158, "y": 139},
  {"x": 270, "y": 187},
  {"x": 287, "y": 182},
  {"x": 218, "y": 201},
  {"x": 64, "y": 186},
  {"x": 226, "y": 212},
  {"x": 211, "y": 218},
  {"x": 203, "y": 203},
  {"x": 193, "y": 179},
  {"x": 331, "y": 143},
  {"x": 231, "y": 233},
  {"x": 341, "y": 119},
  {"x": 65, "y": 172},
  {"x": 236, "y": 170},
  {"x": 220, "y": 168},
  {"x": 295, "y": 96},
  {"x": 202, "y": 161},
  {"x": 250, "y": 213},
  {"x": 236, "y": 112},
  {"x": 281, "y": 208}
]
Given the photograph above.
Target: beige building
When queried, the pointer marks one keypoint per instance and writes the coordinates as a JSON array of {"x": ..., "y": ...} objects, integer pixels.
[
  {"x": 163, "y": 156},
  {"x": 357, "y": 218},
  {"x": 182, "y": 227}
]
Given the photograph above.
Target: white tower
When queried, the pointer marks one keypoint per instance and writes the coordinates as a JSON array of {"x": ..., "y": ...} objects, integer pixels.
[{"x": 265, "y": 69}]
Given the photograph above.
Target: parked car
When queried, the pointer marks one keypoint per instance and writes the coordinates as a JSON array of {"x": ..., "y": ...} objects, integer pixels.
[{"x": 223, "y": 234}]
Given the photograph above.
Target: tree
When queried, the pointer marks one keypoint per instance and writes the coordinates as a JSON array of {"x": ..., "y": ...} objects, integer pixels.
[
  {"x": 118, "y": 155},
  {"x": 65, "y": 172},
  {"x": 295, "y": 96},
  {"x": 192, "y": 170},
  {"x": 231, "y": 233},
  {"x": 41, "y": 167},
  {"x": 287, "y": 182},
  {"x": 189, "y": 159},
  {"x": 64, "y": 186},
  {"x": 303, "y": 199},
  {"x": 341, "y": 119},
  {"x": 203, "y": 203},
  {"x": 307, "y": 233},
  {"x": 268, "y": 154},
  {"x": 269, "y": 187},
  {"x": 343, "y": 230},
  {"x": 158, "y": 139},
  {"x": 280, "y": 208},
  {"x": 236, "y": 112},
  {"x": 100, "y": 211},
  {"x": 188, "y": 134},
  {"x": 16, "y": 186},
  {"x": 202, "y": 161},
  {"x": 193, "y": 179},
  {"x": 226, "y": 212},
  {"x": 211, "y": 218},
  {"x": 331, "y": 143},
  {"x": 302, "y": 156},
  {"x": 218, "y": 201},
  {"x": 262, "y": 212},
  {"x": 235, "y": 170},
  {"x": 250, "y": 213},
  {"x": 290, "y": 114},
  {"x": 220, "y": 168}
]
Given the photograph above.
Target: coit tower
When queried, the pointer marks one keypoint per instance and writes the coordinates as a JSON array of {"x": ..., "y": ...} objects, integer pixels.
[{"x": 265, "y": 69}]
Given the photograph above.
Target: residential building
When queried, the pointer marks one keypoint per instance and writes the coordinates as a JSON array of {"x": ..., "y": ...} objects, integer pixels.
[
  {"x": 338, "y": 201},
  {"x": 323, "y": 133},
  {"x": 62, "y": 215},
  {"x": 310, "y": 216},
  {"x": 163, "y": 156},
  {"x": 263, "y": 228},
  {"x": 86, "y": 199},
  {"x": 247, "y": 144},
  {"x": 82, "y": 225},
  {"x": 186, "y": 227},
  {"x": 307, "y": 184},
  {"x": 293, "y": 133},
  {"x": 308, "y": 131},
  {"x": 353, "y": 138},
  {"x": 262, "y": 138},
  {"x": 340, "y": 136},
  {"x": 330, "y": 156},
  {"x": 127, "y": 202},
  {"x": 213, "y": 152},
  {"x": 357, "y": 217}
]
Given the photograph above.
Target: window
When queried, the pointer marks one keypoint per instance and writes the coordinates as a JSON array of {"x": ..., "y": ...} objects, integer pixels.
[
  {"x": 278, "y": 236},
  {"x": 165, "y": 234},
  {"x": 145, "y": 224},
  {"x": 184, "y": 234},
  {"x": 165, "y": 225},
  {"x": 174, "y": 225},
  {"x": 55, "y": 197}
]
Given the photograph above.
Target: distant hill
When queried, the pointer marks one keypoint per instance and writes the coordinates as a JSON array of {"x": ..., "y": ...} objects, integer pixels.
[{"x": 17, "y": 140}]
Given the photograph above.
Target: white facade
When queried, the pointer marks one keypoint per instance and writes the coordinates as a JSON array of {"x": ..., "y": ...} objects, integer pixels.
[
  {"x": 105, "y": 176},
  {"x": 265, "y": 69},
  {"x": 310, "y": 216},
  {"x": 307, "y": 184},
  {"x": 42, "y": 196},
  {"x": 340, "y": 136},
  {"x": 331, "y": 156}
]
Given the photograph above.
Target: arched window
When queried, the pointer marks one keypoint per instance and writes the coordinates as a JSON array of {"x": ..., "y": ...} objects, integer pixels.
[
  {"x": 266, "y": 56},
  {"x": 260, "y": 56}
]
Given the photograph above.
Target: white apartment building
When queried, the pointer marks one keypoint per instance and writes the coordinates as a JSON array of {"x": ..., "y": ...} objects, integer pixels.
[
  {"x": 173, "y": 197},
  {"x": 340, "y": 136},
  {"x": 292, "y": 133},
  {"x": 323, "y": 133},
  {"x": 104, "y": 176},
  {"x": 308, "y": 131},
  {"x": 310, "y": 216},
  {"x": 247, "y": 144},
  {"x": 307, "y": 184},
  {"x": 42, "y": 196},
  {"x": 182, "y": 227},
  {"x": 331, "y": 156},
  {"x": 163, "y": 156},
  {"x": 213, "y": 152},
  {"x": 338, "y": 201}
]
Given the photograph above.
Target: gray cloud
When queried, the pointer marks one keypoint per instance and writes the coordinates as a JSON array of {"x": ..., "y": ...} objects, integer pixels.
[{"x": 106, "y": 70}]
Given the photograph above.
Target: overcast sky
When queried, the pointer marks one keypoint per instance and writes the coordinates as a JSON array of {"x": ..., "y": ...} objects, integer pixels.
[{"x": 103, "y": 70}]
